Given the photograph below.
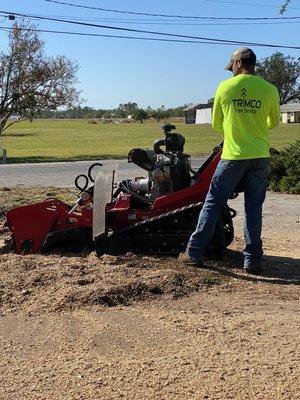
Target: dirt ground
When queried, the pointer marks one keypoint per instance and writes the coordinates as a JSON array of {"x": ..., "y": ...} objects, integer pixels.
[{"x": 137, "y": 327}]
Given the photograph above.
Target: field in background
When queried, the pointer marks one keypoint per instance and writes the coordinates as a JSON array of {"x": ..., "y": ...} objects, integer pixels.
[{"x": 58, "y": 140}]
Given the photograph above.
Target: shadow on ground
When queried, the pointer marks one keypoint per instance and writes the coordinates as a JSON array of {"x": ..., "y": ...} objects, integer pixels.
[
  {"x": 277, "y": 270},
  {"x": 82, "y": 157},
  {"x": 19, "y": 134}
]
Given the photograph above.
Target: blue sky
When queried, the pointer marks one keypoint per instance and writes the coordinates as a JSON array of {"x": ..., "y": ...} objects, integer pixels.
[{"x": 114, "y": 71}]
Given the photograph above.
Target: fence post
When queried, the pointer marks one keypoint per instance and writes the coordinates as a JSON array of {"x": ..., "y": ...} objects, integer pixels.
[{"x": 4, "y": 156}]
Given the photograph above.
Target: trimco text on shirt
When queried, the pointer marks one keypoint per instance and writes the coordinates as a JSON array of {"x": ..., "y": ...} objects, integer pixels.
[{"x": 246, "y": 103}]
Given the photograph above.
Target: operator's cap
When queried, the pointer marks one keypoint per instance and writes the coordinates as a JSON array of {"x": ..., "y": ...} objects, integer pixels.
[{"x": 244, "y": 53}]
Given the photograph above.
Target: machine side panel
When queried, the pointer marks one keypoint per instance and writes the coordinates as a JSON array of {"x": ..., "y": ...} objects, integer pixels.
[{"x": 102, "y": 196}]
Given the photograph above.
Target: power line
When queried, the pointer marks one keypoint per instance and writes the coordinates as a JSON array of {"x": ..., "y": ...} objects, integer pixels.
[
  {"x": 249, "y": 4},
  {"x": 166, "y": 15},
  {"x": 151, "y": 32},
  {"x": 141, "y": 21},
  {"x": 5, "y": 28},
  {"x": 131, "y": 22},
  {"x": 136, "y": 21}
]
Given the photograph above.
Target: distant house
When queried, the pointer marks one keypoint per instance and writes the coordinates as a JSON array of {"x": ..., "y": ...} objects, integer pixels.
[
  {"x": 290, "y": 113},
  {"x": 14, "y": 117},
  {"x": 198, "y": 113}
]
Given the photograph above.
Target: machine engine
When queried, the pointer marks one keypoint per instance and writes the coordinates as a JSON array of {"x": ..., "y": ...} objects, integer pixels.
[{"x": 168, "y": 169}]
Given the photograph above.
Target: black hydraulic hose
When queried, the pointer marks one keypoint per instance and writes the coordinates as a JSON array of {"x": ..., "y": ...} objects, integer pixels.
[
  {"x": 157, "y": 144},
  {"x": 85, "y": 185},
  {"x": 90, "y": 170}
]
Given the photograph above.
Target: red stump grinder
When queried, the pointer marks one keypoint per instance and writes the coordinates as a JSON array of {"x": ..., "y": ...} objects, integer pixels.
[{"x": 154, "y": 214}]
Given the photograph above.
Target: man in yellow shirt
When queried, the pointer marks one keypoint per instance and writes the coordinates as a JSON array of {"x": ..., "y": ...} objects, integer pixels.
[{"x": 245, "y": 108}]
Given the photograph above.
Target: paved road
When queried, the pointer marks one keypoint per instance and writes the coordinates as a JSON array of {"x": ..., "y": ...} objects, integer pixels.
[{"x": 62, "y": 174}]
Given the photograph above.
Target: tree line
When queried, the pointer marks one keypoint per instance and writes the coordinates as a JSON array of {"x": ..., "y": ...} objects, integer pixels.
[{"x": 124, "y": 110}]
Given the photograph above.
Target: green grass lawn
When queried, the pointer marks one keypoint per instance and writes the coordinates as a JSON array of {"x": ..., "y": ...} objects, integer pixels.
[{"x": 57, "y": 140}]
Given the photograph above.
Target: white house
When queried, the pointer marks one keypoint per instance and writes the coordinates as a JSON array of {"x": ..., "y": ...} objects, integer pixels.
[
  {"x": 198, "y": 113},
  {"x": 290, "y": 113}
]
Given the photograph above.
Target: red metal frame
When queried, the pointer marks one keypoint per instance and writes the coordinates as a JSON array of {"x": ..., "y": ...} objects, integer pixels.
[
  {"x": 120, "y": 214},
  {"x": 32, "y": 223}
]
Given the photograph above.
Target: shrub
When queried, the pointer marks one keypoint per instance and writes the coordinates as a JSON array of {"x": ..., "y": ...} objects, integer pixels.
[{"x": 284, "y": 174}]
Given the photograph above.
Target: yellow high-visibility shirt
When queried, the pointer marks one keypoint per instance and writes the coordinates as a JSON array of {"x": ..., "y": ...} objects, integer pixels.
[{"x": 245, "y": 108}]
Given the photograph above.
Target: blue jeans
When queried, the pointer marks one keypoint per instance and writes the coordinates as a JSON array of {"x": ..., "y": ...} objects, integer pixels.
[{"x": 227, "y": 175}]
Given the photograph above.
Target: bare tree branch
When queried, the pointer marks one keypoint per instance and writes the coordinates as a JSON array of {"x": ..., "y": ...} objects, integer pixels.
[
  {"x": 284, "y": 7},
  {"x": 13, "y": 122}
]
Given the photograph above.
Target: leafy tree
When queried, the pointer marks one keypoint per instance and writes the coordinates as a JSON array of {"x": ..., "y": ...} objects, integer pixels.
[
  {"x": 29, "y": 80},
  {"x": 140, "y": 115},
  {"x": 107, "y": 114},
  {"x": 284, "y": 171},
  {"x": 160, "y": 114},
  {"x": 99, "y": 113},
  {"x": 283, "y": 72},
  {"x": 127, "y": 109},
  {"x": 175, "y": 112}
]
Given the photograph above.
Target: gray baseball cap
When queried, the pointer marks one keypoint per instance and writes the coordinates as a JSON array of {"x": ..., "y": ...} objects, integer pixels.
[{"x": 244, "y": 53}]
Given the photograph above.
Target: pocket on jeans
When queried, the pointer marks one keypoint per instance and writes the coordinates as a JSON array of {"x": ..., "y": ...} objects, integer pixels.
[
  {"x": 260, "y": 163},
  {"x": 229, "y": 164}
]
